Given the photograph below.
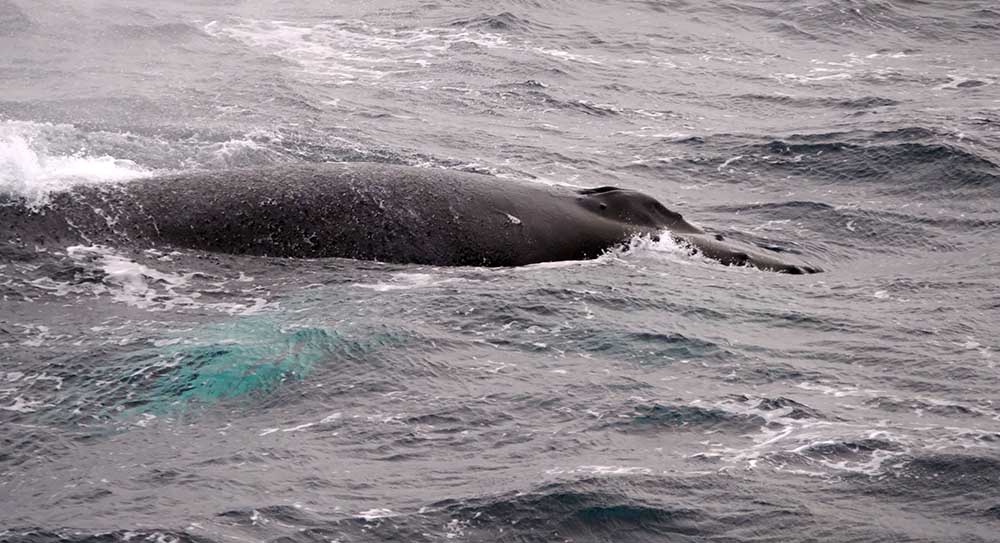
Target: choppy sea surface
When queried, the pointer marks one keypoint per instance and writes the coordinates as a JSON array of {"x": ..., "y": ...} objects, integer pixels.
[{"x": 180, "y": 396}]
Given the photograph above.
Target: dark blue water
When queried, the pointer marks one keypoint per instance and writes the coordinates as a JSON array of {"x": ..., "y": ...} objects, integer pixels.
[{"x": 180, "y": 396}]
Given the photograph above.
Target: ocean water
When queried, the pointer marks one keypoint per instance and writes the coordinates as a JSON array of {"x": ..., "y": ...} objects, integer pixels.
[{"x": 177, "y": 396}]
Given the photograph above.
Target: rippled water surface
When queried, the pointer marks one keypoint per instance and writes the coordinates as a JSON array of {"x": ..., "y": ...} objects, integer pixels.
[{"x": 647, "y": 395}]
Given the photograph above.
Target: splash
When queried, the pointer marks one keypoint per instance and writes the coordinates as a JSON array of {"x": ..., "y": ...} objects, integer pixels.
[
  {"x": 29, "y": 168},
  {"x": 144, "y": 287}
]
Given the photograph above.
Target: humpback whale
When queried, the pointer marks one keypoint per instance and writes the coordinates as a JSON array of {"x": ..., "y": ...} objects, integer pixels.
[{"x": 367, "y": 211}]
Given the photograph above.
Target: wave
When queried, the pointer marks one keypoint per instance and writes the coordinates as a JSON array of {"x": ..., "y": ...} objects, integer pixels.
[
  {"x": 863, "y": 162},
  {"x": 850, "y": 231},
  {"x": 935, "y": 166},
  {"x": 841, "y": 452},
  {"x": 854, "y": 228},
  {"x": 587, "y": 509},
  {"x": 942, "y": 483},
  {"x": 812, "y": 102},
  {"x": 791, "y": 409},
  {"x": 914, "y": 161},
  {"x": 665, "y": 417},
  {"x": 928, "y": 407},
  {"x": 504, "y": 21},
  {"x": 531, "y": 94},
  {"x": 830, "y": 21}
]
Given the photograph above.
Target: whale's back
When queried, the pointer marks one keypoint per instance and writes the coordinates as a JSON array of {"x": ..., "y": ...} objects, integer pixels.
[{"x": 365, "y": 211}]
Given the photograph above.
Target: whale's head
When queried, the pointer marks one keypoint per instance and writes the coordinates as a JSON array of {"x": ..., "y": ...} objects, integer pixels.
[
  {"x": 641, "y": 211},
  {"x": 634, "y": 208}
]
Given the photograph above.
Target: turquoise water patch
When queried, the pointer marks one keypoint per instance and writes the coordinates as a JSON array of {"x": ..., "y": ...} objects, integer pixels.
[{"x": 249, "y": 357}]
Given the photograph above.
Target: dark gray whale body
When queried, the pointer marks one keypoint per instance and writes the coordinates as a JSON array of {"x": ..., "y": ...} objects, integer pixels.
[{"x": 366, "y": 211}]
